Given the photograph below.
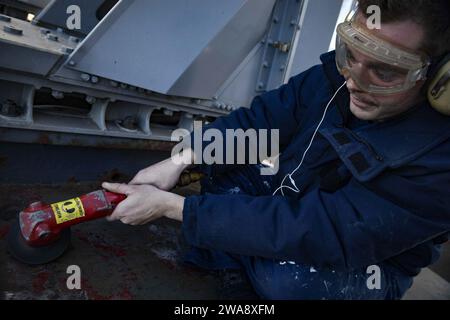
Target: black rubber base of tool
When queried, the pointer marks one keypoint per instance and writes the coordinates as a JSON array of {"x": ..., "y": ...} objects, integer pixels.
[{"x": 19, "y": 248}]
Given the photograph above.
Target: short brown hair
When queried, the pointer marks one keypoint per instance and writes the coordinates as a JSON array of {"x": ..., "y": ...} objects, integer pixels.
[{"x": 432, "y": 15}]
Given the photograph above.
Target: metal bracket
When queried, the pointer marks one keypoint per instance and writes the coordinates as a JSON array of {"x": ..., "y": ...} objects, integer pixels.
[{"x": 278, "y": 44}]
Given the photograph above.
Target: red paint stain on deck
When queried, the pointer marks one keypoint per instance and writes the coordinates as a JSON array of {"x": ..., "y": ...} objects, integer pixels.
[
  {"x": 125, "y": 294},
  {"x": 40, "y": 281},
  {"x": 118, "y": 252},
  {"x": 91, "y": 293},
  {"x": 4, "y": 231},
  {"x": 114, "y": 250}
]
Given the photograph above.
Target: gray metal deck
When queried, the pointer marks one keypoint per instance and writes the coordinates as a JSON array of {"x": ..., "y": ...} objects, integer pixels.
[
  {"x": 116, "y": 261},
  {"x": 123, "y": 262}
]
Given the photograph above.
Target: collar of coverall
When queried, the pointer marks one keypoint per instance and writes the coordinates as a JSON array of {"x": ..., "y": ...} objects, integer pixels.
[{"x": 426, "y": 129}]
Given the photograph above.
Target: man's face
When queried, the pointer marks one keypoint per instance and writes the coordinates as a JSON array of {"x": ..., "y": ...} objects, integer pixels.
[{"x": 369, "y": 106}]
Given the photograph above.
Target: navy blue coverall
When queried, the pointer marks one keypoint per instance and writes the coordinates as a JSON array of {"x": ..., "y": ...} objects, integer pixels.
[{"x": 372, "y": 193}]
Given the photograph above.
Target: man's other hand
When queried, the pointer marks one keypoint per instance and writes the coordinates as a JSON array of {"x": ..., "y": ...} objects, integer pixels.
[
  {"x": 164, "y": 175},
  {"x": 144, "y": 204}
]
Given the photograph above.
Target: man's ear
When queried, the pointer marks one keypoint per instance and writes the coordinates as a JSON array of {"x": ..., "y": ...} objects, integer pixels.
[{"x": 438, "y": 89}]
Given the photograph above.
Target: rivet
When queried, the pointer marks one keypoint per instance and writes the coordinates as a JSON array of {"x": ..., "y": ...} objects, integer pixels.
[
  {"x": 52, "y": 37},
  {"x": 90, "y": 99},
  {"x": 5, "y": 18},
  {"x": 94, "y": 79},
  {"x": 13, "y": 30},
  {"x": 57, "y": 95},
  {"x": 67, "y": 50},
  {"x": 85, "y": 77},
  {"x": 74, "y": 39}
]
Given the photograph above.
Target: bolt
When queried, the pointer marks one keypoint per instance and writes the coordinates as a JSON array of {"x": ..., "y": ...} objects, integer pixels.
[
  {"x": 5, "y": 18},
  {"x": 261, "y": 85},
  {"x": 276, "y": 20},
  {"x": 293, "y": 22},
  {"x": 265, "y": 64},
  {"x": 282, "y": 67},
  {"x": 167, "y": 112},
  {"x": 85, "y": 77},
  {"x": 74, "y": 39},
  {"x": 217, "y": 104},
  {"x": 72, "y": 63},
  {"x": 44, "y": 31},
  {"x": 91, "y": 100},
  {"x": 10, "y": 109},
  {"x": 129, "y": 123},
  {"x": 66, "y": 50},
  {"x": 13, "y": 30},
  {"x": 123, "y": 85},
  {"x": 52, "y": 37},
  {"x": 57, "y": 95},
  {"x": 94, "y": 79}
]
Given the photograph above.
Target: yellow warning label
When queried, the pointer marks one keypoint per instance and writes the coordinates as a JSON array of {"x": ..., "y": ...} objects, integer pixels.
[{"x": 68, "y": 210}]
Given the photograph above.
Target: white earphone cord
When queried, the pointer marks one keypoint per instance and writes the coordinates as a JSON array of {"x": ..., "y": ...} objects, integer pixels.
[{"x": 297, "y": 190}]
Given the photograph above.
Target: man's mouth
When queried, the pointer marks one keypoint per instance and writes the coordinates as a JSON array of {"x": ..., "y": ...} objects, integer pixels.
[{"x": 361, "y": 103}]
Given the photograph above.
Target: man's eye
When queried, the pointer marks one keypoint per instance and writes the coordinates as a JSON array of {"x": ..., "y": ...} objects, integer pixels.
[
  {"x": 387, "y": 75},
  {"x": 350, "y": 57}
]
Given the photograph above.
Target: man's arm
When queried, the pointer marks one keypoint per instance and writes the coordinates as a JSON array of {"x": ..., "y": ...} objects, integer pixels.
[{"x": 356, "y": 226}]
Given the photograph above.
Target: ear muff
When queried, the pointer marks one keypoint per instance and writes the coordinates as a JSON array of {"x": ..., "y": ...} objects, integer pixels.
[{"x": 439, "y": 88}]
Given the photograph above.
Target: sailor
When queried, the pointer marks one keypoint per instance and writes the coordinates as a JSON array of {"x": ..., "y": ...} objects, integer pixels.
[{"x": 363, "y": 187}]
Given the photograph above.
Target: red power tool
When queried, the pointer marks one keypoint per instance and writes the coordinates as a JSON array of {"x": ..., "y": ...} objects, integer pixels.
[{"x": 42, "y": 232}]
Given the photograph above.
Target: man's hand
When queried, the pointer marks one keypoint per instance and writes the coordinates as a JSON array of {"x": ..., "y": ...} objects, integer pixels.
[
  {"x": 145, "y": 204},
  {"x": 164, "y": 175}
]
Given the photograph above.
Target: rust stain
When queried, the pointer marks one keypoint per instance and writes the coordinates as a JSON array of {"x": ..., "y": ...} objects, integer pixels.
[
  {"x": 43, "y": 139},
  {"x": 152, "y": 145},
  {"x": 108, "y": 143},
  {"x": 114, "y": 176}
]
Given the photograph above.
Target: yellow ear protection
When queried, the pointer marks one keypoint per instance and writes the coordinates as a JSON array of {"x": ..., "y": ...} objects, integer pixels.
[{"x": 439, "y": 87}]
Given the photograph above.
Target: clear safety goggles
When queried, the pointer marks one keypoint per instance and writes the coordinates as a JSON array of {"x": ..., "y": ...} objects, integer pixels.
[{"x": 375, "y": 65}]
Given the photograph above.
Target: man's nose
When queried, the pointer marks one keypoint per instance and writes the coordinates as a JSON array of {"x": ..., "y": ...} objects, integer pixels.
[{"x": 352, "y": 86}]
